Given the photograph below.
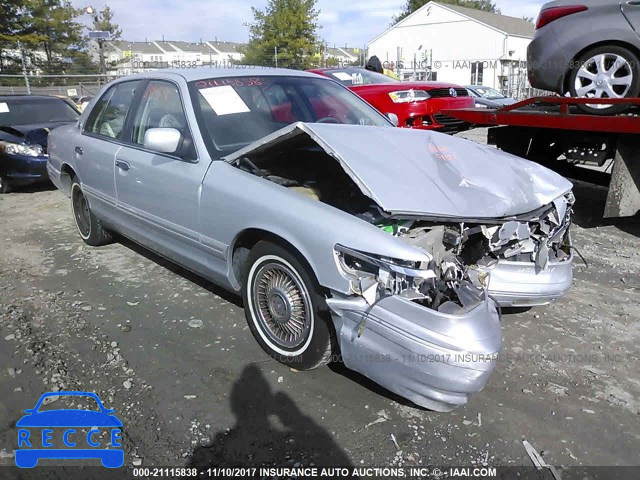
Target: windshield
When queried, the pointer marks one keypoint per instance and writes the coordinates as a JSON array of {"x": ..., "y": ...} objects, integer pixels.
[
  {"x": 31, "y": 111},
  {"x": 489, "y": 93},
  {"x": 234, "y": 112},
  {"x": 351, "y": 77}
]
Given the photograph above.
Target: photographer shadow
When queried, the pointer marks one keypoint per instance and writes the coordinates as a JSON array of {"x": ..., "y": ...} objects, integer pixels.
[{"x": 256, "y": 440}]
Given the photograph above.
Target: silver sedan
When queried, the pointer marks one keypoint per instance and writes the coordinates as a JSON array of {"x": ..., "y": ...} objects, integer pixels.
[{"x": 347, "y": 238}]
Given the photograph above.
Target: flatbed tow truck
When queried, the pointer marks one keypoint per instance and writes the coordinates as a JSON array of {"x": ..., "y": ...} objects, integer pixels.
[{"x": 554, "y": 132}]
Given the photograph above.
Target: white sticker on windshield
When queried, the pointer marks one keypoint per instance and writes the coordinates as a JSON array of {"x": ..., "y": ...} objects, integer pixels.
[
  {"x": 344, "y": 76},
  {"x": 224, "y": 100},
  {"x": 4, "y": 108}
]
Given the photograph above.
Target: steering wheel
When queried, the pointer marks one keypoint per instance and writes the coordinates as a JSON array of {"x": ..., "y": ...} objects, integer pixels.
[{"x": 327, "y": 120}]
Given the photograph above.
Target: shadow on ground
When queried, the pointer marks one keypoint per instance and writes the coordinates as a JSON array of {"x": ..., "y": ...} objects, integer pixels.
[
  {"x": 270, "y": 430},
  {"x": 183, "y": 272}
]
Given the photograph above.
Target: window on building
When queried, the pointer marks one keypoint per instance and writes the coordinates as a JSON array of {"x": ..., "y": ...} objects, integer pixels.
[{"x": 477, "y": 72}]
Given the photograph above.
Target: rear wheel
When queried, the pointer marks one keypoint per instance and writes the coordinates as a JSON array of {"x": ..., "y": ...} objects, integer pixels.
[
  {"x": 284, "y": 308},
  {"x": 89, "y": 227},
  {"x": 5, "y": 187},
  {"x": 605, "y": 72}
]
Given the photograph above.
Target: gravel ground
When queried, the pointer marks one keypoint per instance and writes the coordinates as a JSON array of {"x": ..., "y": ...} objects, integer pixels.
[{"x": 172, "y": 354}]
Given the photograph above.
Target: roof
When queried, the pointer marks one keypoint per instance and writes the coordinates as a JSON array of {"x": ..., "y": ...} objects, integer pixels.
[
  {"x": 206, "y": 72},
  {"x": 140, "y": 47},
  {"x": 189, "y": 47},
  {"x": 509, "y": 25},
  {"x": 504, "y": 23},
  {"x": 226, "y": 47},
  {"x": 18, "y": 96}
]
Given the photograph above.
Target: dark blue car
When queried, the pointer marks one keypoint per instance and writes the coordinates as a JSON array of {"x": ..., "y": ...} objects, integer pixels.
[
  {"x": 57, "y": 433},
  {"x": 25, "y": 123}
]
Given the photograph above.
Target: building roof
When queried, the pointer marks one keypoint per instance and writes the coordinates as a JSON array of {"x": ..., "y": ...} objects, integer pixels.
[
  {"x": 140, "y": 47},
  {"x": 226, "y": 47},
  {"x": 186, "y": 46},
  {"x": 504, "y": 23},
  {"x": 509, "y": 25}
]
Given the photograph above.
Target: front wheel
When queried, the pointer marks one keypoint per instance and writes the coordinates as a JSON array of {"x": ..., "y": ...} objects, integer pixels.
[
  {"x": 89, "y": 227},
  {"x": 284, "y": 308},
  {"x": 605, "y": 72}
]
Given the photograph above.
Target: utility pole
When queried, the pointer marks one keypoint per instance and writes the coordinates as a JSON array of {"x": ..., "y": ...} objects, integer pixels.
[
  {"x": 24, "y": 68},
  {"x": 100, "y": 37},
  {"x": 276, "y": 55}
]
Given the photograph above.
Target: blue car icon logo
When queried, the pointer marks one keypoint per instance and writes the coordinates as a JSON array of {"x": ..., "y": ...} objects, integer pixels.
[{"x": 84, "y": 434}]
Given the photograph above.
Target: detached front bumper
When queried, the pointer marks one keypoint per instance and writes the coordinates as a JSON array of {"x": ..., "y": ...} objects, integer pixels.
[
  {"x": 434, "y": 359},
  {"x": 519, "y": 284}
]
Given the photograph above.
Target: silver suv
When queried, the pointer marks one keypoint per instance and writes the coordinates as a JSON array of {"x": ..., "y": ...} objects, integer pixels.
[{"x": 587, "y": 48}]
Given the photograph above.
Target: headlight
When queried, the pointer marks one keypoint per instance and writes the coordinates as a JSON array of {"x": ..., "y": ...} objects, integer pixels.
[
  {"x": 372, "y": 275},
  {"x": 480, "y": 105},
  {"x": 21, "y": 149},
  {"x": 409, "y": 96}
]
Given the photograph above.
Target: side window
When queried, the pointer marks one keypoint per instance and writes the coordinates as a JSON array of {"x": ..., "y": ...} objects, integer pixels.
[
  {"x": 110, "y": 111},
  {"x": 160, "y": 107}
]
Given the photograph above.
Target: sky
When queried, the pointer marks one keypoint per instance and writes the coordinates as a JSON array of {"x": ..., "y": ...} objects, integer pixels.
[{"x": 351, "y": 22}]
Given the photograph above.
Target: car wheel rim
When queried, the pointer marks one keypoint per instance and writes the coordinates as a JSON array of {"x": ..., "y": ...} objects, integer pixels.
[
  {"x": 281, "y": 305},
  {"x": 81, "y": 213},
  {"x": 606, "y": 75}
]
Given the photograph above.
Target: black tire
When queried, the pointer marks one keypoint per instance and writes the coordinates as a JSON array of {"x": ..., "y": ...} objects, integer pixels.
[
  {"x": 276, "y": 284},
  {"x": 88, "y": 225},
  {"x": 628, "y": 64},
  {"x": 5, "y": 186}
]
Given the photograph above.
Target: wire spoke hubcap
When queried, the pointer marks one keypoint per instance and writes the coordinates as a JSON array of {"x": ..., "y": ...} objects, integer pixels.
[
  {"x": 605, "y": 75},
  {"x": 281, "y": 305}
]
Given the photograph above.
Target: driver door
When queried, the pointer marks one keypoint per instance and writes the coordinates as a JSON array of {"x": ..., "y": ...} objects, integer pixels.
[{"x": 159, "y": 193}]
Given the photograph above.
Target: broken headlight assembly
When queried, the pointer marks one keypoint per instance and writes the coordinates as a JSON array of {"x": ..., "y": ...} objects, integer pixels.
[{"x": 374, "y": 277}]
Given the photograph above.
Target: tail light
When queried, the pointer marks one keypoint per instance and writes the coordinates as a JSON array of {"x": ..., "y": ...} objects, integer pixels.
[{"x": 552, "y": 14}]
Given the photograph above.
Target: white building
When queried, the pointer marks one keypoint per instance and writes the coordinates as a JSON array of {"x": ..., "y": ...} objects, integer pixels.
[
  {"x": 458, "y": 45},
  {"x": 124, "y": 57}
]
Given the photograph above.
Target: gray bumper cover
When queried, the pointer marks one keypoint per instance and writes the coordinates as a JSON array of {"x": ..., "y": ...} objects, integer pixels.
[
  {"x": 518, "y": 284},
  {"x": 436, "y": 360}
]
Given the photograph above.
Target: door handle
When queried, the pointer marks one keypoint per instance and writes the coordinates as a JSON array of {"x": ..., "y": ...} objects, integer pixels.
[
  {"x": 634, "y": 3},
  {"x": 79, "y": 150},
  {"x": 121, "y": 164}
]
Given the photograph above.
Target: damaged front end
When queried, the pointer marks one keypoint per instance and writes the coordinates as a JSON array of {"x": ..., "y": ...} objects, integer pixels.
[
  {"x": 524, "y": 260},
  {"x": 421, "y": 330},
  {"x": 430, "y": 330}
]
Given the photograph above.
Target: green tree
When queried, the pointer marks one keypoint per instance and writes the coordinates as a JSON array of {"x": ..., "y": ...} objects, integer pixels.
[
  {"x": 52, "y": 28},
  {"x": 413, "y": 5},
  {"x": 288, "y": 27},
  {"x": 105, "y": 23}
]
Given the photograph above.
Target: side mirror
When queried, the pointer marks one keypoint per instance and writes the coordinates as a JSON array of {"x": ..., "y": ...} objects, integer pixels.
[
  {"x": 394, "y": 118},
  {"x": 163, "y": 140}
]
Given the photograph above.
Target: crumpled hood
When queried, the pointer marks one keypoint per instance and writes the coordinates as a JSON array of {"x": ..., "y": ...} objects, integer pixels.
[
  {"x": 423, "y": 173},
  {"x": 30, "y": 134}
]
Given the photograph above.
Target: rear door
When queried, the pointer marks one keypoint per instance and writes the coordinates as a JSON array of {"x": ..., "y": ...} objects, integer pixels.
[
  {"x": 159, "y": 193},
  {"x": 95, "y": 150}
]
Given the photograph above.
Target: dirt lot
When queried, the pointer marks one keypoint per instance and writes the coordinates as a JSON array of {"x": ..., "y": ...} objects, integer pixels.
[{"x": 173, "y": 356}]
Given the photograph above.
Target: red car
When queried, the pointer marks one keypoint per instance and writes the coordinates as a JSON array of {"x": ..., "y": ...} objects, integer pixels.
[{"x": 417, "y": 104}]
